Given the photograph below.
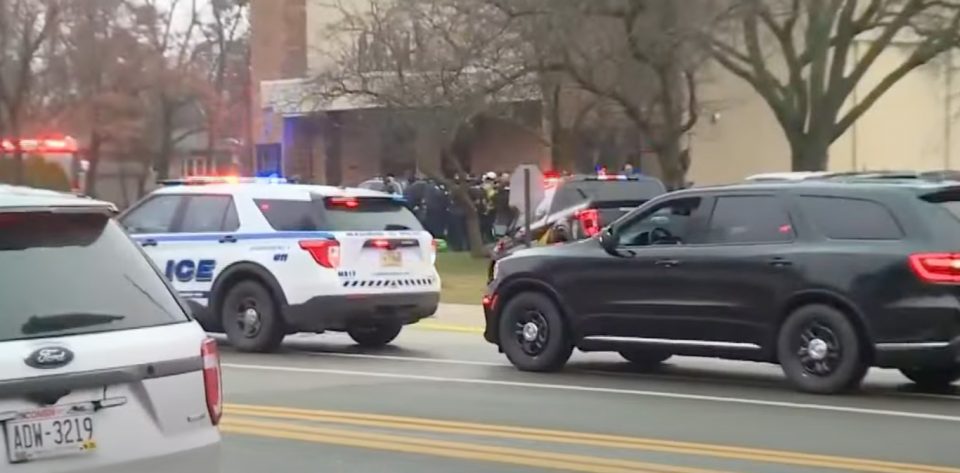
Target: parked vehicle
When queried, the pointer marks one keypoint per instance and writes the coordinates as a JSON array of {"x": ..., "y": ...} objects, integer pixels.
[
  {"x": 101, "y": 367},
  {"x": 826, "y": 278}
]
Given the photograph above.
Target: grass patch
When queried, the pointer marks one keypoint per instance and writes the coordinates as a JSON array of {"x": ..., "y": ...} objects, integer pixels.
[{"x": 464, "y": 278}]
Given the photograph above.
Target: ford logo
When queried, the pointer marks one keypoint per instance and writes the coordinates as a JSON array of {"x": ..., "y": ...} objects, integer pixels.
[{"x": 49, "y": 358}]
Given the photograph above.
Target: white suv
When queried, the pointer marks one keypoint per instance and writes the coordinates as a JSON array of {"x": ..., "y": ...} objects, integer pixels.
[
  {"x": 101, "y": 368},
  {"x": 259, "y": 259}
]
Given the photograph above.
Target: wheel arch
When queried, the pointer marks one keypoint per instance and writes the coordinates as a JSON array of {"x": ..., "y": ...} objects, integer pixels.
[{"x": 831, "y": 299}]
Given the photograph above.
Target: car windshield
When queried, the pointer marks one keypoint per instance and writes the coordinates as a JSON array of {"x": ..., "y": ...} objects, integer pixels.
[{"x": 66, "y": 274}]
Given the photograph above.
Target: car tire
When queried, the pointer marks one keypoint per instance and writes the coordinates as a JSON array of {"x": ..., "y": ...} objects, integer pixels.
[
  {"x": 533, "y": 333},
  {"x": 374, "y": 335},
  {"x": 820, "y": 350},
  {"x": 250, "y": 318},
  {"x": 933, "y": 378},
  {"x": 645, "y": 359}
]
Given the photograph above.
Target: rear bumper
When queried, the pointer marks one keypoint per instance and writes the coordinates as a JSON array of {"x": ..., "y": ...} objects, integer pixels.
[
  {"x": 339, "y": 312},
  {"x": 904, "y": 355},
  {"x": 203, "y": 459}
]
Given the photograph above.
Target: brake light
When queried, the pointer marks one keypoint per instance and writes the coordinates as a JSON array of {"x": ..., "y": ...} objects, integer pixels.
[
  {"x": 936, "y": 267},
  {"x": 590, "y": 221},
  {"x": 325, "y": 252},
  {"x": 347, "y": 202},
  {"x": 212, "y": 379},
  {"x": 380, "y": 243}
]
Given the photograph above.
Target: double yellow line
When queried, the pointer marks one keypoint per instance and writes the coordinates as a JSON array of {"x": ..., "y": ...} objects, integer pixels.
[{"x": 238, "y": 421}]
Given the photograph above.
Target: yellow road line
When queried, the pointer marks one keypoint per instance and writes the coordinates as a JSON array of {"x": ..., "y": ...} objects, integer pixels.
[
  {"x": 581, "y": 438},
  {"x": 461, "y": 450},
  {"x": 442, "y": 327}
]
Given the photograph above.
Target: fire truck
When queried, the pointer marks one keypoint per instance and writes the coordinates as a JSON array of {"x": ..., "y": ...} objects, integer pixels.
[{"x": 62, "y": 150}]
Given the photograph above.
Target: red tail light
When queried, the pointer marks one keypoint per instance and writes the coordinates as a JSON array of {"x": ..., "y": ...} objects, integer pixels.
[
  {"x": 590, "y": 221},
  {"x": 936, "y": 267},
  {"x": 380, "y": 243},
  {"x": 325, "y": 252},
  {"x": 212, "y": 379}
]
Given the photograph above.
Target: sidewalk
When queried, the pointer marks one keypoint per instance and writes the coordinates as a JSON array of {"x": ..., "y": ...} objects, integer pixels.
[{"x": 465, "y": 318}]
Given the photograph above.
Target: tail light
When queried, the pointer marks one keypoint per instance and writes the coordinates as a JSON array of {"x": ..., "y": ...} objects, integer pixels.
[
  {"x": 590, "y": 221},
  {"x": 943, "y": 268},
  {"x": 344, "y": 202},
  {"x": 434, "y": 245},
  {"x": 325, "y": 252},
  {"x": 212, "y": 379}
]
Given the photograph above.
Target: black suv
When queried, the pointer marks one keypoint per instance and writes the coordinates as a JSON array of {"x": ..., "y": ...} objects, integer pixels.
[{"x": 826, "y": 278}]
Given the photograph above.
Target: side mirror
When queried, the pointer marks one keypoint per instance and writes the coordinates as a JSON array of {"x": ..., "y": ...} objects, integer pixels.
[{"x": 609, "y": 240}]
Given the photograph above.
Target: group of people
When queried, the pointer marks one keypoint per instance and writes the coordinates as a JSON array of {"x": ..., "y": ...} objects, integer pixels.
[{"x": 445, "y": 216}]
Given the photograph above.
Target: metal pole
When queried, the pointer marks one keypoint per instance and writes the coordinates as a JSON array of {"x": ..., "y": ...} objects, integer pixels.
[{"x": 526, "y": 207}]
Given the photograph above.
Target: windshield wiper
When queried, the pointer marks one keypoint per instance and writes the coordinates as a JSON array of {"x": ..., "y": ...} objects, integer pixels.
[
  {"x": 57, "y": 322},
  {"x": 395, "y": 228}
]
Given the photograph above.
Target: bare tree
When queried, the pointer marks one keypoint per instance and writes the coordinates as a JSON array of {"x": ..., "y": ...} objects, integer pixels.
[
  {"x": 25, "y": 25},
  {"x": 798, "y": 56},
  {"x": 451, "y": 62}
]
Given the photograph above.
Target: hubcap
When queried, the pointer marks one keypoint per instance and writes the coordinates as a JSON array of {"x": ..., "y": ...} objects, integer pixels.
[
  {"x": 248, "y": 319},
  {"x": 819, "y": 351},
  {"x": 531, "y": 331}
]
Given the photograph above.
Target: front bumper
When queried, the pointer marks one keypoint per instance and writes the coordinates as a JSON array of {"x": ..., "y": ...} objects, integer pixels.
[
  {"x": 340, "y": 312},
  {"x": 919, "y": 354}
]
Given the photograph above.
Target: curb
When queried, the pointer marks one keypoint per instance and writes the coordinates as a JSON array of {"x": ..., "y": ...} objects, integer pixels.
[{"x": 442, "y": 327}]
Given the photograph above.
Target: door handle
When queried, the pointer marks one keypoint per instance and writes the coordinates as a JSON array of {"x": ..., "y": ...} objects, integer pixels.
[
  {"x": 148, "y": 242},
  {"x": 667, "y": 263},
  {"x": 228, "y": 239},
  {"x": 779, "y": 262}
]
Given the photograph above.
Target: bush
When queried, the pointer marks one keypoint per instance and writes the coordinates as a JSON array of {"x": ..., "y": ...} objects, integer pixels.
[{"x": 38, "y": 173}]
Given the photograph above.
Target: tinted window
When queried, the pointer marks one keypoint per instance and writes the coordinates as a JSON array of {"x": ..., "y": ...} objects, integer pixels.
[
  {"x": 573, "y": 193},
  {"x": 850, "y": 219},
  {"x": 289, "y": 215},
  {"x": 153, "y": 216},
  {"x": 749, "y": 219},
  {"x": 668, "y": 223},
  {"x": 209, "y": 213},
  {"x": 367, "y": 214},
  {"x": 40, "y": 298}
]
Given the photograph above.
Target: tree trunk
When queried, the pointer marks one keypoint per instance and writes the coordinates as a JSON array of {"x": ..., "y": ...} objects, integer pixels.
[
  {"x": 673, "y": 170},
  {"x": 93, "y": 157},
  {"x": 809, "y": 153},
  {"x": 162, "y": 163}
]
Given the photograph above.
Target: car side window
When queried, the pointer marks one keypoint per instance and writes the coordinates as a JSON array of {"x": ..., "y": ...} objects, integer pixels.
[
  {"x": 207, "y": 213},
  {"x": 832, "y": 218},
  {"x": 666, "y": 224},
  {"x": 155, "y": 215},
  {"x": 749, "y": 219}
]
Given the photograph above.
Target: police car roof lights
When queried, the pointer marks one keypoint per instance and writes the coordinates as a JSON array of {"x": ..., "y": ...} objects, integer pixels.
[{"x": 208, "y": 180}]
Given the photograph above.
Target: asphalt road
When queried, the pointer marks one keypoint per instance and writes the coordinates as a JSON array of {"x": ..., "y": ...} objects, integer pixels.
[{"x": 439, "y": 402}]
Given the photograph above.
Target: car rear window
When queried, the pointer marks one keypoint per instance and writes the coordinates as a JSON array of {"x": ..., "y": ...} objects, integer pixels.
[
  {"x": 573, "y": 193},
  {"x": 342, "y": 214},
  {"x": 74, "y": 274},
  {"x": 842, "y": 218},
  {"x": 367, "y": 214}
]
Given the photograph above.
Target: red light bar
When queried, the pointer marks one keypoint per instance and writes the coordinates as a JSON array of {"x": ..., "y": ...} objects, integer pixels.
[
  {"x": 49, "y": 145},
  {"x": 348, "y": 202}
]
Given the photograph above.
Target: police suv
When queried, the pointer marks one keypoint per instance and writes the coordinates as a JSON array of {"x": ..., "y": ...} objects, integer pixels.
[{"x": 258, "y": 259}]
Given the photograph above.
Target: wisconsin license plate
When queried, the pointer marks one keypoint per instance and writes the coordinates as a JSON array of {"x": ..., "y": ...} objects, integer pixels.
[
  {"x": 50, "y": 432},
  {"x": 391, "y": 258}
]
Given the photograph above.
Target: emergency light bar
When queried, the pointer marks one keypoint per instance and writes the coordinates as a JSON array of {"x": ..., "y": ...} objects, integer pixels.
[
  {"x": 48, "y": 145},
  {"x": 208, "y": 180}
]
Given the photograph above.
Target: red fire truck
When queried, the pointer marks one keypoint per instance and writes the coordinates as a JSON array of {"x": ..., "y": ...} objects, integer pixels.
[{"x": 61, "y": 150}]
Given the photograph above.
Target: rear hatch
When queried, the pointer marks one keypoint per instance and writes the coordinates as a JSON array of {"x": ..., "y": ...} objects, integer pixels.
[
  {"x": 382, "y": 244},
  {"x": 99, "y": 364}
]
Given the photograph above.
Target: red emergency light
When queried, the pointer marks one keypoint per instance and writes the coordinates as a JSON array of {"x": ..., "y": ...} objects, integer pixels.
[{"x": 46, "y": 145}]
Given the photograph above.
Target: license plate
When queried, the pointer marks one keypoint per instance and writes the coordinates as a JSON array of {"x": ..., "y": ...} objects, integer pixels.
[
  {"x": 50, "y": 432},
  {"x": 391, "y": 258}
]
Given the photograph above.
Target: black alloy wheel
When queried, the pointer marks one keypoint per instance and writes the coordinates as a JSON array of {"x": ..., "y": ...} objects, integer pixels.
[
  {"x": 820, "y": 350},
  {"x": 533, "y": 334},
  {"x": 250, "y": 318}
]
